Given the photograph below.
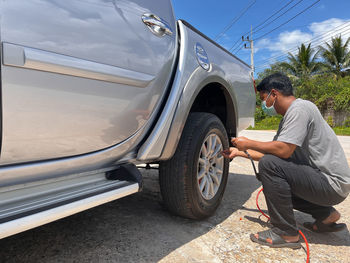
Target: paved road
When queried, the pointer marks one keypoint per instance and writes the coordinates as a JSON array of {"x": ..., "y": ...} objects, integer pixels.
[{"x": 138, "y": 229}]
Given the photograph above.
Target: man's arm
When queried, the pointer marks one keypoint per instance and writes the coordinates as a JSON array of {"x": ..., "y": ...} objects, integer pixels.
[
  {"x": 256, "y": 156},
  {"x": 280, "y": 149},
  {"x": 234, "y": 152}
]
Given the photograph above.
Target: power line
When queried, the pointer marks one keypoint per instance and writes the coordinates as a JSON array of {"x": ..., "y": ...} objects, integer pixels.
[
  {"x": 236, "y": 48},
  {"x": 234, "y": 45},
  {"x": 319, "y": 42},
  {"x": 267, "y": 19},
  {"x": 233, "y": 21},
  {"x": 305, "y": 25},
  {"x": 303, "y": 11},
  {"x": 338, "y": 28},
  {"x": 239, "y": 50},
  {"x": 315, "y": 41},
  {"x": 286, "y": 56},
  {"x": 317, "y": 37},
  {"x": 279, "y": 16}
]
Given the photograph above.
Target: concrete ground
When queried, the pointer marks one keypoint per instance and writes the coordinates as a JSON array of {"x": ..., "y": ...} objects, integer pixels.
[{"x": 138, "y": 229}]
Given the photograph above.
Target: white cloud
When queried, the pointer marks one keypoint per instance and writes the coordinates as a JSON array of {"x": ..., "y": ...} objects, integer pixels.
[
  {"x": 324, "y": 31},
  {"x": 288, "y": 40},
  {"x": 263, "y": 44},
  {"x": 317, "y": 33}
]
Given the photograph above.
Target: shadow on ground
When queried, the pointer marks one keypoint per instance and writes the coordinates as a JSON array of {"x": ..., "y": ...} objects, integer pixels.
[
  {"x": 341, "y": 238},
  {"x": 132, "y": 229}
]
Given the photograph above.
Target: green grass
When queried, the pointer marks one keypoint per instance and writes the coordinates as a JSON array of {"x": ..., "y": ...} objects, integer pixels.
[
  {"x": 342, "y": 131},
  {"x": 271, "y": 123}
]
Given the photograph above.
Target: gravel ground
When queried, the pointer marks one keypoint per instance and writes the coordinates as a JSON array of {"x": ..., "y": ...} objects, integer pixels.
[{"x": 138, "y": 229}]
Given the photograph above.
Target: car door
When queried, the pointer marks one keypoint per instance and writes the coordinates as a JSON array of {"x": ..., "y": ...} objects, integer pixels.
[{"x": 80, "y": 75}]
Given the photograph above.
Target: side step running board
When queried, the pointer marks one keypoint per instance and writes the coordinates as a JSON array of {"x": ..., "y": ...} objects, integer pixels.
[
  {"x": 30, "y": 206},
  {"x": 24, "y": 223}
]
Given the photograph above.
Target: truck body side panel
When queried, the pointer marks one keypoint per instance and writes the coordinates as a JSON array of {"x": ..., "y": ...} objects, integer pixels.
[
  {"x": 225, "y": 69},
  {"x": 79, "y": 76}
]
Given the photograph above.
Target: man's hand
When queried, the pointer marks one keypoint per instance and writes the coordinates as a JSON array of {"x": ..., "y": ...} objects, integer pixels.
[
  {"x": 280, "y": 149},
  {"x": 241, "y": 143},
  {"x": 230, "y": 153}
]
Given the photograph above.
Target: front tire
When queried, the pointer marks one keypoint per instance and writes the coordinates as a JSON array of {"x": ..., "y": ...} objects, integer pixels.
[{"x": 193, "y": 181}]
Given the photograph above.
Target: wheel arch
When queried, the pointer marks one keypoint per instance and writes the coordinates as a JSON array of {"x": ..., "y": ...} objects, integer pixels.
[
  {"x": 215, "y": 98},
  {"x": 213, "y": 95}
]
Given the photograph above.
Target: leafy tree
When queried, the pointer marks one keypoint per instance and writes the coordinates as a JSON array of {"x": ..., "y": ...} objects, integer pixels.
[
  {"x": 304, "y": 63},
  {"x": 274, "y": 68},
  {"x": 336, "y": 56},
  {"x": 325, "y": 90}
]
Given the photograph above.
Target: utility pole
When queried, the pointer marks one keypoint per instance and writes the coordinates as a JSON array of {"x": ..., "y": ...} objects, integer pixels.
[{"x": 251, "y": 47}]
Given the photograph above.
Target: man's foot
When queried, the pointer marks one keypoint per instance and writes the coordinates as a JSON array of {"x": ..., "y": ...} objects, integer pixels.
[
  {"x": 332, "y": 218},
  {"x": 327, "y": 225},
  {"x": 271, "y": 239}
]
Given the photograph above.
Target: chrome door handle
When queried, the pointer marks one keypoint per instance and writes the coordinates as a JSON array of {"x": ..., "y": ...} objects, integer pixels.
[{"x": 157, "y": 25}]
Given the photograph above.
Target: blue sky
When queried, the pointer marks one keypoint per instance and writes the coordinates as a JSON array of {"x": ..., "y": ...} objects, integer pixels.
[{"x": 318, "y": 24}]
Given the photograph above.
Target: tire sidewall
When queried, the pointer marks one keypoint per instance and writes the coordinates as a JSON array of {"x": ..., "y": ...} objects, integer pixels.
[{"x": 206, "y": 207}]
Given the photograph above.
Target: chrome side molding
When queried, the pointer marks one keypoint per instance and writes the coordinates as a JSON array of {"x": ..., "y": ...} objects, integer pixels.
[{"x": 31, "y": 58}]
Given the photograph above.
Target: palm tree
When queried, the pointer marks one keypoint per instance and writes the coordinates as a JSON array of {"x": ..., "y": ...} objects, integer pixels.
[
  {"x": 336, "y": 55},
  {"x": 304, "y": 63}
]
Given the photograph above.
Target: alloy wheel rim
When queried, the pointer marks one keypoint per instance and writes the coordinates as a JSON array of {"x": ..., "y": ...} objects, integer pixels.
[{"x": 210, "y": 166}]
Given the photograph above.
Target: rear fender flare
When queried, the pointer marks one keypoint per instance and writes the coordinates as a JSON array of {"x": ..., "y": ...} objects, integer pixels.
[{"x": 196, "y": 83}]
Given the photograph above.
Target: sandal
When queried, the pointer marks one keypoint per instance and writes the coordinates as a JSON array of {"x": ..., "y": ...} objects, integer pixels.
[
  {"x": 277, "y": 240},
  {"x": 323, "y": 228}
]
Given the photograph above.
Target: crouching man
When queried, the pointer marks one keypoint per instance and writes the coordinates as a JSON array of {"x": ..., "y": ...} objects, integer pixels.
[{"x": 303, "y": 168}]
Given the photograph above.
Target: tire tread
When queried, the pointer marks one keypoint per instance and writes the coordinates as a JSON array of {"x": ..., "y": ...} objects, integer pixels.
[{"x": 175, "y": 187}]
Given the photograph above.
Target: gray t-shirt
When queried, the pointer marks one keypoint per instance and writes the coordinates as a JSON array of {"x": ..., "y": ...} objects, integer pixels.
[{"x": 317, "y": 144}]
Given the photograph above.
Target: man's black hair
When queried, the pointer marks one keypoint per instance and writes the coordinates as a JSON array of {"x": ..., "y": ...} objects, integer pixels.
[{"x": 276, "y": 81}]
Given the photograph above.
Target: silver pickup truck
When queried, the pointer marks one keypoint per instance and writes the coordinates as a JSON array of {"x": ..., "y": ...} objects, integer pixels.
[{"x": 92, "y": 88}]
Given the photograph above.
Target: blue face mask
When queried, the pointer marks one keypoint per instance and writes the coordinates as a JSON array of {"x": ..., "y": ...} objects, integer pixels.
[{"x": 271, "y": 111}]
